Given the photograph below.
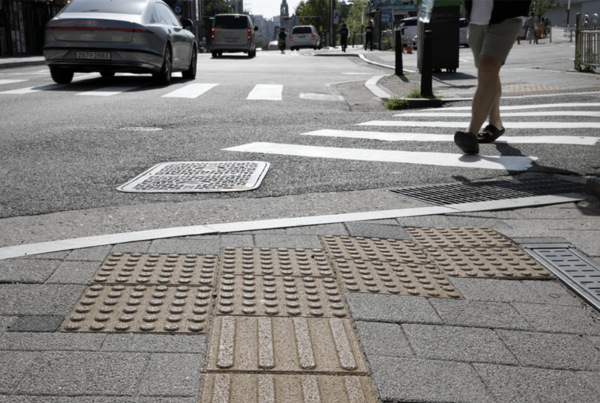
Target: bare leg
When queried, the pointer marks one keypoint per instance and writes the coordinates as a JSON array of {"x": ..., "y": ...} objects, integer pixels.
[{"x": 486, "y": 101}]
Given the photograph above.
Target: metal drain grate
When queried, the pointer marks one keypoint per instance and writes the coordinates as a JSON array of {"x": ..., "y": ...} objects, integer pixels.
[
  {"x": 578, "y": 272},
  {"x": 481, "y": 191},
  {"x": 184, "y": 177}
]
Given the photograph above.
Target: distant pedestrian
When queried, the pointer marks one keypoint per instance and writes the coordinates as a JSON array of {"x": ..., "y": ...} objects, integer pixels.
[
  {"x": 344, "y": 37},
  {"x": 546, "y": 26},
  {"x": 369, "y": 36},
  {"x": 493, "y": 28},
  {"x": 282, "y": 37},
  {"x": 530, "y": 25}
]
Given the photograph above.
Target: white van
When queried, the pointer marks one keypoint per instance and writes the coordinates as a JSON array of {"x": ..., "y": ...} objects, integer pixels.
[
  {"x": 304, "y": 36},
  {"x": 233, "y": 33}
]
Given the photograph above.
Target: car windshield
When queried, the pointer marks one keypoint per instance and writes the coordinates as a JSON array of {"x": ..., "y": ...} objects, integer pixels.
[
  {"x": 135, "y": 7},
  {"x": 301, "y": 30},
  {"x": 231, "y": 22}
]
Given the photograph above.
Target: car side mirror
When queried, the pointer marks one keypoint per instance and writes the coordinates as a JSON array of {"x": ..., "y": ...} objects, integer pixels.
[
  {"x": 256, "y": 28},
  {"x": 187, "y": 24}
]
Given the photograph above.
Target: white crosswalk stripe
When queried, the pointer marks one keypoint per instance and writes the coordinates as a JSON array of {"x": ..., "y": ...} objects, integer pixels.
[
  {"x": 507, "y": 125},
  {"x": 29, "y": 90},
  {"x": 519, "y": 107},
  {"x": 190, "y": 91},
  {"x": 504, "y": 115},
  {"x": 266, "y": 92},
  {"x": 109, "y": 91},
  {"x": 11, "y": 81}
]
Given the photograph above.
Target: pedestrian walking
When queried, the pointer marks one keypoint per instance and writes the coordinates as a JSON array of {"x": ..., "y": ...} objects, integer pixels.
[
  {"x": 493, "y": 28},
  {"x": 369, "y": 36},
  {"x": 344, "y": 37},
  {"x": 530, "y": 25},
  {"x": 282, "y": 37}
]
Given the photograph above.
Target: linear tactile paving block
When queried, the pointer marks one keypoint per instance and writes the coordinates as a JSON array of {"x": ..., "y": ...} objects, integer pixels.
[
  {"x": 270, "y": 388},
  {"x": 155, "y": 269},
  {"x": 280, "y": 296},
  {"x": 275, "y": 262},
  {"x": 459, "y": 238},
  {"x": 284, "y": 345},
  {"x": 394, "y": 278},
  {"x": 510, "y": 263},
  {"x": 141, "y": 309},
  {"x": 374, "y": 249}
]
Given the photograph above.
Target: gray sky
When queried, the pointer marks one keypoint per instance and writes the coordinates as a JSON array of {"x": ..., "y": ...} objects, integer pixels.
[{"x": 269, "y": 8}]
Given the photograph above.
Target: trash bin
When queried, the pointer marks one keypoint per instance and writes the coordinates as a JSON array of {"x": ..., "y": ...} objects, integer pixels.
[{"x": 445, "y": 24}]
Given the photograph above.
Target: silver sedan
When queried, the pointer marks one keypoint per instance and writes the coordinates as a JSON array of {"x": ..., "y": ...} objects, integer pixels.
[{"x": 134, "y": 36}]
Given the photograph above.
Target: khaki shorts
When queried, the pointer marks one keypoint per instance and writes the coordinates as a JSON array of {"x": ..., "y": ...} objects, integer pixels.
[{"x": 495, "y": 40}]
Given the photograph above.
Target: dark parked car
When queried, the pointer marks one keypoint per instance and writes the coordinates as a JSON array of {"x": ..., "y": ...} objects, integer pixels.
[{"x": 111, "y": 36}]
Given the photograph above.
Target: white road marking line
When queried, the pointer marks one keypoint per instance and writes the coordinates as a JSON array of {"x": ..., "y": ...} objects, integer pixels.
[
  {"x": 30, "y": 90},
  {"x": 266, "y": 92},
  {"x": 190, "y": 91},
  {"x": 11, "y": 81},
  {"x": 510, "y": 114},
  {"x": 518, "y": 107},
  {"x": 510, "y": 163},
  {"x": 385, "y": 136},
  {"x": 507, "y": 125},
  {"x": 109, "y": 91}
]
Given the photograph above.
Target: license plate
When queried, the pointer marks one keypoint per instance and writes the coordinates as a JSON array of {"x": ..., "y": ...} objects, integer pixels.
[
  {"x": 301, "y": 36},
  {"x": 231, "y": 39},
  {"x": 93, "y": 55}
]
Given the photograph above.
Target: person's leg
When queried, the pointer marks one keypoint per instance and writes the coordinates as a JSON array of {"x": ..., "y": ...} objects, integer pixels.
[{"x": 486, "y": 101}]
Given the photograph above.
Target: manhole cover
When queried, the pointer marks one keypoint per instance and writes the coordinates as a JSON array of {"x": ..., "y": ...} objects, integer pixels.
[
  {"x": 480, "y": 191},
  {"x": 322, "y": 97},
  {"x": 141, "y": 129},
  {"x": 184, "y": 177}
]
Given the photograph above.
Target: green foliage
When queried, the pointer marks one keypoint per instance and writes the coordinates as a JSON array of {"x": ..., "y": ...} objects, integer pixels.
[
  {"x": 314, "y": 8},
  {"x": 262, "y": 43},
  {"x": 210, "y": 10},
  {"x": 395, "y": 103},
  {"x": 353, "y": 17},
  {"x": 414, "y": 93},
  {"x": 539, "y": 7},
  {"x": 585, "y": 68}
]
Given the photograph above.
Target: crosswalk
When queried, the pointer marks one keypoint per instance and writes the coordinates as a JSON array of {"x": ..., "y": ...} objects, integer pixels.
[{"x": 554, "y": 134}]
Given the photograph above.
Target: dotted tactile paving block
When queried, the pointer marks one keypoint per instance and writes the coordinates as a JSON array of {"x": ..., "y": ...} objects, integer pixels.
[
  {"x": 284, "y": 345},
  {"x": 509, "y": 263},
  {"x": 390, "y": 250},
  {"x": 141, "y": 309},
  {"x": 280, "y": 296},
  {"x": 459, "y": 238},
  {"x": 275, "y": 262},
  {"x": 273, "y": 388},
  {"x": 394, "y": 278},
  {"x": 155, "y": 269}
]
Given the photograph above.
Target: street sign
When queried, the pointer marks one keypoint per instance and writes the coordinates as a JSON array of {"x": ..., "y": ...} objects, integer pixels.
[
  {"x": 386, "y": 17},
  {"x": 336, "y": 16},
  {"x": 177, "y": 9}
]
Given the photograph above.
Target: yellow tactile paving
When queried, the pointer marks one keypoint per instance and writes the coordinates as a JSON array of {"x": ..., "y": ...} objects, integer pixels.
[
  {"x": 141, "y": 309},
  {"x": 284, "y": 345},
  {"x": 390, "y": 250},
  {"x": 458, "y": 238},
  {"x": 272, "y": 388},
  {"x": 275, "y": 262},
  {"x": 394, "y": 278},
  {"x": 156, "y": 269},
  {"x": 280, "y": 296}
]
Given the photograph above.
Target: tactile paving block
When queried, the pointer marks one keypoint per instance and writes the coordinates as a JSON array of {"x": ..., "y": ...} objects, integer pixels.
[
  {"x": 141, "y": 309},
  {"x": 275, "y": 262},
  {"x": 459, "y": 238},
  {"x": 284, "y": 345},
  {"x": 394, "y": 278},
  {"x": 280, "y": 296},
  {"x": 510, "y": 263},
  {"x": 384, "y": 250},
  {"x": 269, "y": 388},
  {"x": 155, "y": 269}
]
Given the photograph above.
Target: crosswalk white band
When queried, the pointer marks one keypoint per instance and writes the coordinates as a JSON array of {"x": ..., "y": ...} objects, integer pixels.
[
  {"x": 533, "y": 106},
  {"x": 109, "y": 91},
  {"x": 10, "y": 81},
  {"x": 190, "y": 91},
  {"x": 29, "y": 90},
  {"x": 441, "y": 114},
  {"x": 266, "y": 92},
  {"x": 507, "y": 125}
]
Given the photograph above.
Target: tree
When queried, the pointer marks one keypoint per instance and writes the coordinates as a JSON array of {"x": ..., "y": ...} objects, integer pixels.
[
  {"x": 315, "y": 8},
  {"x": 539, "y": 7},
  {"x": 356, "y": 16}
]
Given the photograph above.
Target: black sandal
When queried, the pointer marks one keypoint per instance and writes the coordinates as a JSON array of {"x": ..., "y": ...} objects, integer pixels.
[
  {"x": 467, "y": 142},
  {"x": 490, "y": 134}
]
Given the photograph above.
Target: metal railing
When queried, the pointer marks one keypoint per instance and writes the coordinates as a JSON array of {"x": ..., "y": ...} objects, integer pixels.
[{"x": 587, "y": 41}]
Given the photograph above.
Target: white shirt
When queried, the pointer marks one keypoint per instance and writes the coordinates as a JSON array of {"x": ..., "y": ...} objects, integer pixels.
[{"x": 481, "y": 12}]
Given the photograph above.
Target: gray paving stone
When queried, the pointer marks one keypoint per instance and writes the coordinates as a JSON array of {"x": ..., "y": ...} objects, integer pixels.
[
  {"x": 383, "y": 231},
  {"x": 495, "y": 290},
  {"x": 274, "y": 231},
  {"x": 6, "y": 322},
  {"x": 430, "y": 221},
  {"x": 584, "y": 241},
  {"x": 37, "y": 323},
  {"x": 69, "y": 373},
  {"x": 95, "y": 399},
  {"x": 525, "y": 240},
  {"x": 74, "y": 273},
  {"x": 164, "y": 343},
  {"x": 414, "y": 380},
  {"x": 288, "y": 241},
  {"x": 13, "y": 366},
  {"x": 391, "y": 308},
  {"x": 498, "y": 315},
  {"x": 325, "y": 229},
  {"x": 457, "y": 344},
  {"x": 467, "y": 222},
  {"x": 592, "y": 379},
  {"x": 51, "y": 341},
  {"x": 560, "y": 319},
  {"x": 197, "y": 246},
  {"x": 131, "y": 247},
  {"x": 27, "y": 270},
  {"x": 236, "y": 241},
  {"x": 382, "y": 339},
  {"x": 52, "y": 299},
  {"x": 60, "y": 255},
  {"x": 95, "y": 254},
  {"x": 553, "y": 293},
  {"x": 510, "y": 384},
  {"x": 172, "y": 375}
]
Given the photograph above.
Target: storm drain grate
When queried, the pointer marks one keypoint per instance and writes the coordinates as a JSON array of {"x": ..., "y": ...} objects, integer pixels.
[
  {"x": 184, "y": 177},
  {"x": 482, "y": 191},
  {"x": 578, "y": 272}
]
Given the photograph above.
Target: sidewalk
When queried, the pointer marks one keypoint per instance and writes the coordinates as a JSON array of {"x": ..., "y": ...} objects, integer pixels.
[{"x": 16, "y": 62}]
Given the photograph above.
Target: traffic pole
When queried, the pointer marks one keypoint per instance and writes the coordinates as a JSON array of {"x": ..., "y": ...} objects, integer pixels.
[
  {"x": 427, "y": 66},
  {"x": 399, "y": 68}
]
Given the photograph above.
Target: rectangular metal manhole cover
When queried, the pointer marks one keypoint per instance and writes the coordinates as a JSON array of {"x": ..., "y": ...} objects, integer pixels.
[
  {"x": 185, "y": 177},
  {"x": 578, "y": 272},
  {"x": 322, "y": 97},
  {"x": 481, "y": 191}
]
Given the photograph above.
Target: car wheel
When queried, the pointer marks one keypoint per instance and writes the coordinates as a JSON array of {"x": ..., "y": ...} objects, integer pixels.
[
  {"x": 220, "y": 54},
  {"x": 214, "y": 54},
  {"x": 191, "y": 71},
  {"x": 164, "y": 76},
  {"x": 107, "y": 74},
  {"x": 250, "y": 54},
  {"x": 61, "y": 76}
]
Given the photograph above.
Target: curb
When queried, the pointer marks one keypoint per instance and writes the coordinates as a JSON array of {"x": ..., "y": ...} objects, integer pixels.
[
  {"x": 22, "y": 64},
  {"x": 592, "y": 186}
]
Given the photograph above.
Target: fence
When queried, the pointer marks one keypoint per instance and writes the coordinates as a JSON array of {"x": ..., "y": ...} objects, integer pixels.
[{"x": 587, "y": 42}]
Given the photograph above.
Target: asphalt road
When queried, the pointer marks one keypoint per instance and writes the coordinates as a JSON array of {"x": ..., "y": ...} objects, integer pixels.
[{"x": 64, "y": 153}]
